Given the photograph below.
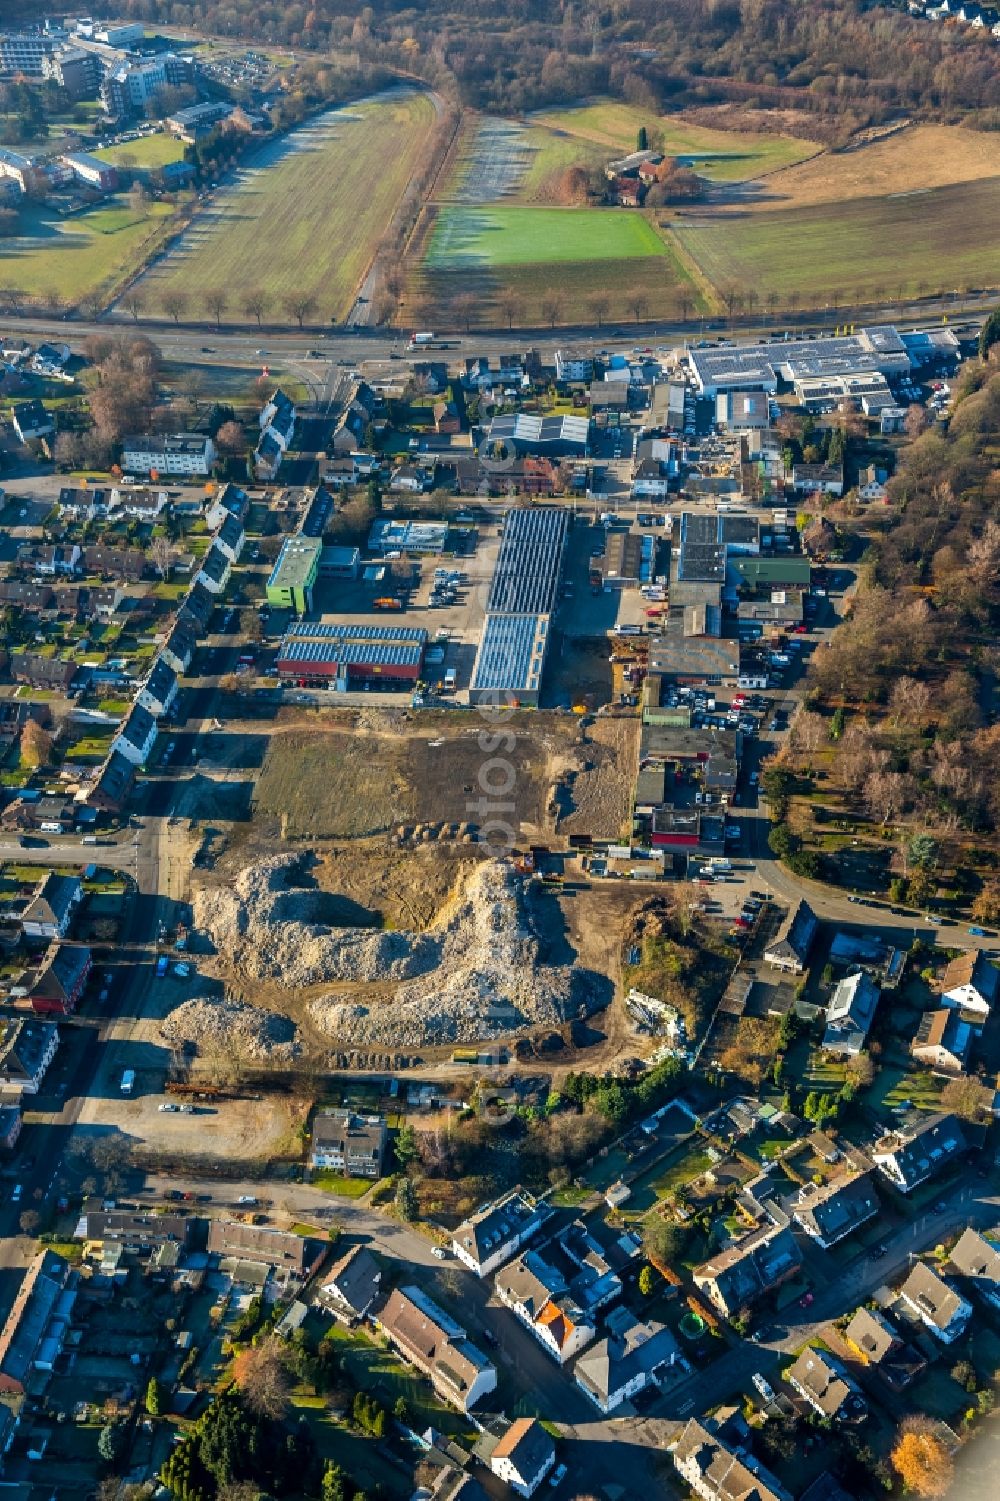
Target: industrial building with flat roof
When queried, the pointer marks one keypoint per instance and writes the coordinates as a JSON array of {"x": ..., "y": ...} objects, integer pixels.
[
  {"x": 293, "y": 575},
  {"x": 523, "y": 593},
  {"x": 758, "y": 367},
  {"x": 510, "y": 659},
  {"x": 391, "y": 535},
  {"x": 527, "y": 573},
  {"x": 346, "y": 657}
]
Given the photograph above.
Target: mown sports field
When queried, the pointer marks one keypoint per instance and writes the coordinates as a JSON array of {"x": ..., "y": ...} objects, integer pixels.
[
  {"x": 146, "y": 154},
  {"x": 307, "y": 214}
]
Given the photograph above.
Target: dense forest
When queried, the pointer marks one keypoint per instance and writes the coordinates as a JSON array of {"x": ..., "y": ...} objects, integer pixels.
[{"x": 846, "y": 63}]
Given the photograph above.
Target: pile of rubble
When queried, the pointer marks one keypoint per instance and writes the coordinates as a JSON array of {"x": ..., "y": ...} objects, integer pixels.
[
  {"x": 488, "y": 980},
  {"x": 477, "y": 974},
  {"x": 273, "y": 929},
  {"x": 248, "y": 1032}
]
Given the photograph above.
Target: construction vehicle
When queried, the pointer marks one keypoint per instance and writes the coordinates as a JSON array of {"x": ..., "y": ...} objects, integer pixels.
[{"x": 388, "y": 602}]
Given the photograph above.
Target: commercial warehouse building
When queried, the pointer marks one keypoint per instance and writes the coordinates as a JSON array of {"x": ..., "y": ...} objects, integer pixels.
[
  {"x": 526, "y": 578},
  {"x": 351, "y": 657},
  {"x": 758, "y": 367},
  {"x": 510, "y": 659},
  {"x": 511, "y": 656},
  {"x": 294, "y": 573}
]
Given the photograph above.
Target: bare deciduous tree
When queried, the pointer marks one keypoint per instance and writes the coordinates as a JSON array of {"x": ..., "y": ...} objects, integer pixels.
[
  {"x": 510, "y": 305},
  {"x": 465, "y": 305},
  {"x": 161, "y": 555},
  {"x": 884, "y": 793},
  {"x": 552, "y": 306},
  {"x": 599, "y": 305},
  {"x": 216, "y": 301},
  {"x": 299, "y": 305},
  {"x": 256, "y": 304},
  {"x": 174, "y": 304},
  {"x": 261, "y": 1373}
]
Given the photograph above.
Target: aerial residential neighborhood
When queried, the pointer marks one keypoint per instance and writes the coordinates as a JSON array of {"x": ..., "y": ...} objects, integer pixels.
[{"x": 499, "y": 897}]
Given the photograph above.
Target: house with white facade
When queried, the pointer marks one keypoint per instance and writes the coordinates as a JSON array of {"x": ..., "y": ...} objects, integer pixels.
[
  {"x": 524, "y": 1456},
  {"x": 936, "y": 1303},
  {"x": 433, "y": 1342},
  {"x": 169, "y": 453},
  {"x": 970, "y": 985},
  {"x": 910, "y": 1155},
  {"x": 494, "y": 1233},
  {"x": 137, "y": 736},
  {"x": 632, "y": 1356},
  {"x": 159, "y": 691}
]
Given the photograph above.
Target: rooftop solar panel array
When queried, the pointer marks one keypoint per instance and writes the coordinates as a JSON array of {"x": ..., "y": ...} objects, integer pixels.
[
  {"x": 350, "y": 632},
  {"x": 870, "y": 349},
  {"x": 511, "y": 654},
  {"x": 351, "y": 653},
  {"x": 527, "y": 571}
]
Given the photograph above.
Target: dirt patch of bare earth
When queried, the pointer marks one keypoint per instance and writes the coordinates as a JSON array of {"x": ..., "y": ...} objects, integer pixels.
[
  {"x": 596, "y": 793},
  {"x": 352, "y": 779}
]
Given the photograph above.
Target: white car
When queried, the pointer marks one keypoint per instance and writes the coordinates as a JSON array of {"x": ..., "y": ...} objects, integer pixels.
[
  {"x": 439, "y": 1253},
  {"x": 166, "y": 1109}
]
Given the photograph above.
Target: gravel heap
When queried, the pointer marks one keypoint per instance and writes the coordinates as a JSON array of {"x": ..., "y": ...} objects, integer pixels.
[
  {"x": 487, "y": 981},
  {"x": 247, "y": 1031},
  {"x": 273, "y": 930}
]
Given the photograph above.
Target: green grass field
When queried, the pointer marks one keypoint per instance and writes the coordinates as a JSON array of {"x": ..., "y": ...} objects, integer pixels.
[
  {"x": 872, "y": 247},
  {"x": 512, "y": 235},
  {"x": 147, "y": 154},
  {"x": 77, "y": 255},
  {"x": 721, "y": 155},
  {"x": 308, "y": 214}
]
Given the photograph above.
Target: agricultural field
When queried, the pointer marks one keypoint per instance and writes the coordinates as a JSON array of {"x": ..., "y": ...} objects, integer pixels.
[
  {"x": 307, "y": 215},
  {"x": 544, "y": 265},
  {"x": 146, "y": 154},
  {"x": 720, "y": 155},
  {"x": 77, "y": 256},
  {"x": 901, "y": 245},
  {"x": 504, "y": 159},
  {"x": 512, "y": 235}
]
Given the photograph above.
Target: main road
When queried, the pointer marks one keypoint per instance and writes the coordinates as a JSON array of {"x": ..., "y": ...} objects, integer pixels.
[{"x": 200, "y": 344}]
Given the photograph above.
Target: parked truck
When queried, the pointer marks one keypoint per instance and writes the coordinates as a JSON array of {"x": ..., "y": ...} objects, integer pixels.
[
  {"x": 424, "y": 338},
  {"x": 387, "y": 603},
  {"x": 128, "y": 1081}
]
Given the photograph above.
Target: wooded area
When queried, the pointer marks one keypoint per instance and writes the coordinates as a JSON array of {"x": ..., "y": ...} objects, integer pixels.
[{"x": 843, "y": 61}]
